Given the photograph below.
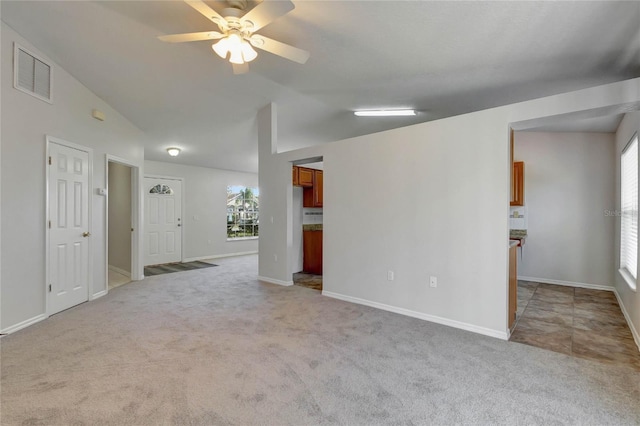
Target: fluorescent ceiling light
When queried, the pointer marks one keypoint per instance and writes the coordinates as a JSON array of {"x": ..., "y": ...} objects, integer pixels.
[{"x": 385, "y": 112}]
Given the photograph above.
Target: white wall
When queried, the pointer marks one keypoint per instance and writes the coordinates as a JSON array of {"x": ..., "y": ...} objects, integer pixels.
[
  {"x": 120, "y": 216},
  {"x": 569, "y": 181},
  {"x": 630, "y": 299},
  {"x": 205, "y": 208},
  {"x": 455, "y": 174},
  {"x": 25, "y": 122},
  {"x": 1, "y": 73}
]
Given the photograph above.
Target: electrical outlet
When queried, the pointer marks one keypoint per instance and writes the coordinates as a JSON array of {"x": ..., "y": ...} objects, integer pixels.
[
  {"x": 275, "y": 257},
  {"x": 390, "y": 275},
  {"x": 433, "y": 281}
]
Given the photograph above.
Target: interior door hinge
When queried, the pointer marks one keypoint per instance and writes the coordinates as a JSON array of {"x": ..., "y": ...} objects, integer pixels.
[
  {"x": 49, "y": 224},
  {"x": 49, "y": 288},
  {"x": 49, "y": 160}
]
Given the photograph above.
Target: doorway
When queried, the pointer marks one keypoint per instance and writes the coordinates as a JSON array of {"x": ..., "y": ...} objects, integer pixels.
[
  {"x": 307, "y": 214},
  {"x": 120, "y": 220},
  {"x": 566, "y": 298},
  {"x": 122, "y": 211}
]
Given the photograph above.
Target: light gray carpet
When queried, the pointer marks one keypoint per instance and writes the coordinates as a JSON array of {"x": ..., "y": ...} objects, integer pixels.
[{"x": 214, "y": 346}]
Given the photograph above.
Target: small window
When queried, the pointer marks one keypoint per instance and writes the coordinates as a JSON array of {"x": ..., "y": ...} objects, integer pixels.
[
  {"x": 31, "y": 74},
  {"x": 243, "y": 204},
  {"x": 629, "y": 213},
  {"x": 161, "y": 189}
]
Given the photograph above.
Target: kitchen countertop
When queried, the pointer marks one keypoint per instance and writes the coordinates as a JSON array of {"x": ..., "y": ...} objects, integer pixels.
[
  {"x": 516, "y": 234},
  {"x": 313, "y": 227}
]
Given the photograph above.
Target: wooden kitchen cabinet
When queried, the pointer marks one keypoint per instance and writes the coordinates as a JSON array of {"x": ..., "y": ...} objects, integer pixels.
[
  {"x": 314, "y": 196},
  {"x": 513, "y": 285},
  {"x": 312, "y": 252},
  {"x": 318, "y": 188},
  {"x": 301, "y": 176},
  {"x": 517, "y": 191},
  {"x": 305, "y": 177},
  {"x": 511, "y": 140}
]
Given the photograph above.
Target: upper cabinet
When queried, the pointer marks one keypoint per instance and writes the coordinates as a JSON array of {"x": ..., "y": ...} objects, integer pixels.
[
  {"x": 517, "y": 193},
  {"x": 318, "y": 189},
  {"x": 313, "y": 197},
  {"x": 517, "y": 177},
  {"x": 313, "y": 182},
  {"x": 305, "y": 177}
]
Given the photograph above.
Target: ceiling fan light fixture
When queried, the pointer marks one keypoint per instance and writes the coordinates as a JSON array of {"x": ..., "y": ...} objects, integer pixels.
[
  {"x": 234, "y": 46},
  {"x": 237, "y": 27},
  {"x": 236, "y": 57},
  {"x": 248, "y": 52},
  {"x": 173, "y": 151},
  {"x": 385, "y": 112},
  {"x": 221, "y": 48}
]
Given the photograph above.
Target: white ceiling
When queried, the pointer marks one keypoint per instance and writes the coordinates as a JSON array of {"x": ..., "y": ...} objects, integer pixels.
[
  {"x": 603, "y": 124},
  {"x": 443, "y": 58}
]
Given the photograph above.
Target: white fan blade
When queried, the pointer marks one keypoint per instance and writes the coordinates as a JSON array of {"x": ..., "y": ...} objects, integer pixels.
[
  {"x": 289, "y": 52},
  {"x": 209, "y": 13},
  {"x": 180, "y": 38},
  {"x": 240, "y": 68},
  {"x": 266, "y": 12}
]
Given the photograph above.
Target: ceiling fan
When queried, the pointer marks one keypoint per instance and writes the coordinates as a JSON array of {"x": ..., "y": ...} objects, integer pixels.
[{"x": 237, "y": 32}]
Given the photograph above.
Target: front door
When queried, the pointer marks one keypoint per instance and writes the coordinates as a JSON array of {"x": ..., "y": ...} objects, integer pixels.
[
  {"x": 163, "y": 224},
  {"x": 69, "y": 235}
]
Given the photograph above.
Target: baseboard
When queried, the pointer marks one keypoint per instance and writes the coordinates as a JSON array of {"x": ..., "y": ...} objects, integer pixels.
[
  {"x": 120, "y": 271},
  {"x": 567, "y": 283},
  {"x": 634, "y": 332},
  {"x": 24, "y": 324},
  {"x": 218, "y": 256},
  {"x": 432, "y": 318},
  {"x": 274, "y": 281},
  {"x": 99, "y": 294}
]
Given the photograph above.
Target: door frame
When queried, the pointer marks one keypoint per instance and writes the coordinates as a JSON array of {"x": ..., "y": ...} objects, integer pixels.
[
  {"x": 48, "y": 141},
  {"x": 182, "y": 209},
  {"x": 137, "y": 269}
]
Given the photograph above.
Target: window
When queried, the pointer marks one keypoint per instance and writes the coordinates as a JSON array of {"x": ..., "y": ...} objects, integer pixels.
[
  {"x": 242, "y": 212},
  {"x": 161, "y": 189},
  {"x": 629, "y": 214}
]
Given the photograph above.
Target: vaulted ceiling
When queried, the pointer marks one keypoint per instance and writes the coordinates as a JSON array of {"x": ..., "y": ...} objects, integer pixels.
[{"x": 442, "y": 58}]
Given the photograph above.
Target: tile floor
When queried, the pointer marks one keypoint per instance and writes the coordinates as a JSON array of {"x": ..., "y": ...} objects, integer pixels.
[
  {"x": 574, "y": 321},
  {"x": 117, "y": 279},
  {"x": 308, "y": 280}
]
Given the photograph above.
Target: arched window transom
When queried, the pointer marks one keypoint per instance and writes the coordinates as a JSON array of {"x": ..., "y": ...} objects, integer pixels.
[{"x": 161, "y": 189}]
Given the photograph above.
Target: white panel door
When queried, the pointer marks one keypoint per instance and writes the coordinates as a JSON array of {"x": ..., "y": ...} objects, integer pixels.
[
  {"x": 162, "y": 221},
  {"x": 69, "y": 236}
]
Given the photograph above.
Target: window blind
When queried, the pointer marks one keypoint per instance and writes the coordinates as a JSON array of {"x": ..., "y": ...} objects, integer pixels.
[{"x": 629, "y": 205}]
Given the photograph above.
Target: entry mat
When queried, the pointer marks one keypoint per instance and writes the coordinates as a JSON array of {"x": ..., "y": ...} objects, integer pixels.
[{"x": 168, "y": 268}]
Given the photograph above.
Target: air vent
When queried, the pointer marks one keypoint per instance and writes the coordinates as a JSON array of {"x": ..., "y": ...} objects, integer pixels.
[{"x": 32, "y": 74}]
